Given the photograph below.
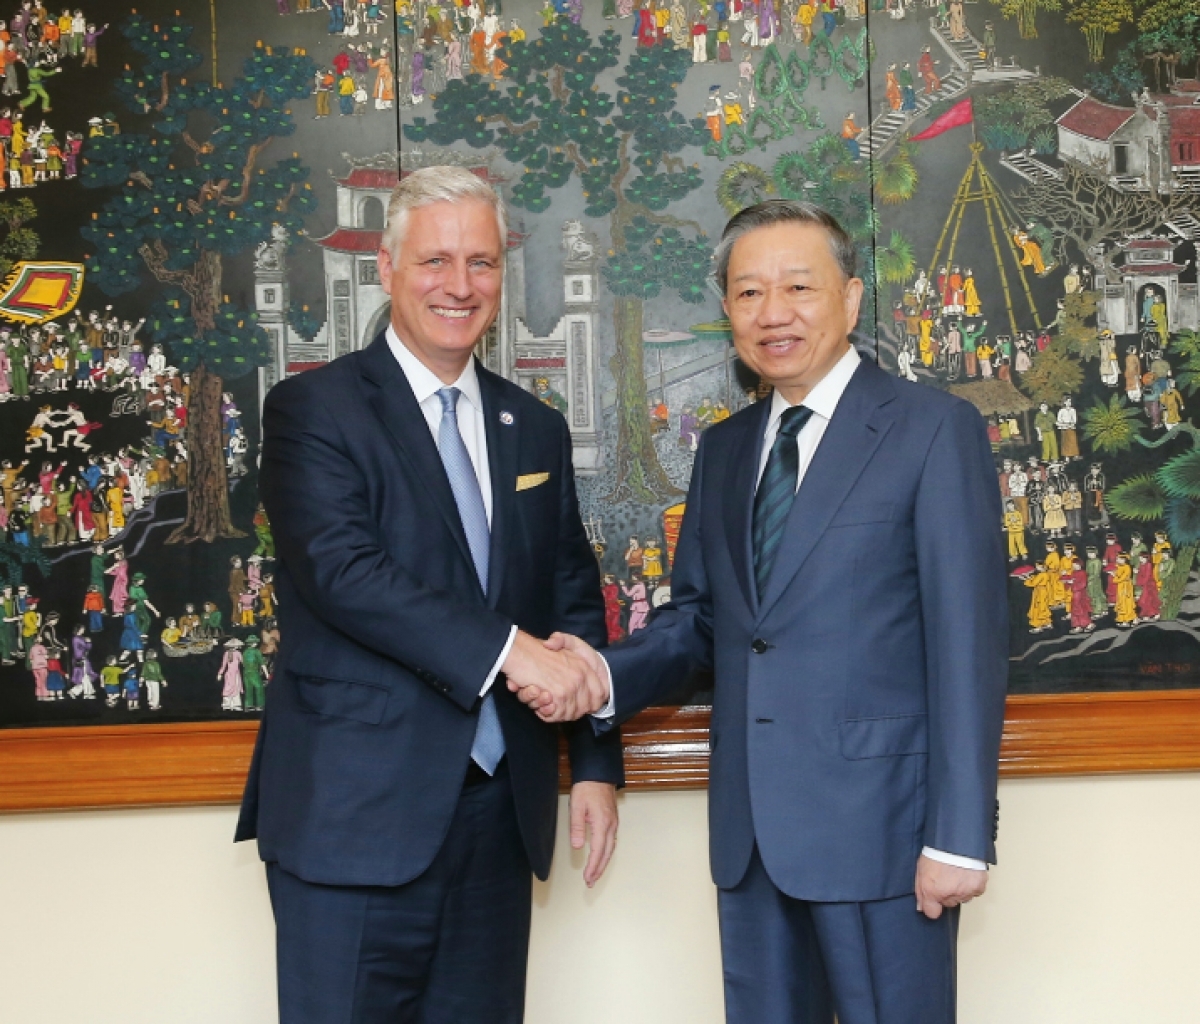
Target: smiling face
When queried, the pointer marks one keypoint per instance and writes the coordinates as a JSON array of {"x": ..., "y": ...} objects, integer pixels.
[
  {"x": 790, "y": 308},
  {"x": 445, "y": 282}
]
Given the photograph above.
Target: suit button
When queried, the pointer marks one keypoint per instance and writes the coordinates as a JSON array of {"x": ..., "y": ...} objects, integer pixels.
[{"x": 759, "y": 646}]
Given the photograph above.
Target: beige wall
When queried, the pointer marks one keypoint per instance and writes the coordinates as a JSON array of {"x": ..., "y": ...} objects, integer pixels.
[{"x": 153, "y": 917}]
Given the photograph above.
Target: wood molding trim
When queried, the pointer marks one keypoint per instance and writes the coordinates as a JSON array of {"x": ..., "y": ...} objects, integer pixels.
[{"x": 666, "y": 748}]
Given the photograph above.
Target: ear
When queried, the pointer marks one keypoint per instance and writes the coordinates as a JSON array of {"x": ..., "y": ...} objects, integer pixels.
[
  {"x": 384, "y": 260},
  {"x": 852, "y": 298}
]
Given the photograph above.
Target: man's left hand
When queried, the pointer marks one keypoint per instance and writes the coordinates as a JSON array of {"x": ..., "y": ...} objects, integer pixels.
[
  {"x": 594, "y": 811},
  {"x": 945, "y": 885}
]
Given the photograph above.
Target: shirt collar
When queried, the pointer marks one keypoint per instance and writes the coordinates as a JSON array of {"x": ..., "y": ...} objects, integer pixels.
[
  {"x": 822, "y": 399},
  {"x": 423, "y": 381}
]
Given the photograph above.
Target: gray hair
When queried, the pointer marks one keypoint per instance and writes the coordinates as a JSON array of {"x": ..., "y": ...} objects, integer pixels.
[
  {"x": 783, "y": 211},
  {"x": 430, "y": 185}
]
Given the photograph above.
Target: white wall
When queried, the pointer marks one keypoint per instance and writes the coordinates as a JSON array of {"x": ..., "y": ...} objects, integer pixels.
[{"x": 153, "y": 917}]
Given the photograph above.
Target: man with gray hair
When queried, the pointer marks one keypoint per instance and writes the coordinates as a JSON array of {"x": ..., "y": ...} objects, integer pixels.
[
  {"x": 840, "y": 571},
  {"x": 428, "y": 535}
]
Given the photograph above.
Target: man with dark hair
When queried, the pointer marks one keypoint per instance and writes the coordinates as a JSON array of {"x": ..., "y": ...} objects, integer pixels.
[{"x": 840, "y": 569}]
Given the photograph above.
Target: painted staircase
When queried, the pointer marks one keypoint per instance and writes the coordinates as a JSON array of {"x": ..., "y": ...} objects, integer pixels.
[
  {"x": 890, "y": 124},
  {"x": 1025, "y": 164}
]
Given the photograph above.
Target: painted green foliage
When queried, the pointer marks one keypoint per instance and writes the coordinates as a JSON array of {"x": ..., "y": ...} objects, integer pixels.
[
  {"x": 1168, "y": 41},
  {"x": 551, "y": 119},
  {"x": 1021, "y": 116},
  {"x": 191, "y": 191},
  {"x": 188, "y": 202},
  {"x": 18, "y": 242}
]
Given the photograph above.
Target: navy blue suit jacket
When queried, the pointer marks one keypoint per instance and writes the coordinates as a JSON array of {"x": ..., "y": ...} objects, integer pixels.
[
  {"x": 387, "y": 636},
  {"x": 858, "y": 707}
]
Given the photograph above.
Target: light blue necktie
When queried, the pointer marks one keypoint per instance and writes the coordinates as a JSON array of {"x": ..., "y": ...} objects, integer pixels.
[{"x": 488, "y": 747}]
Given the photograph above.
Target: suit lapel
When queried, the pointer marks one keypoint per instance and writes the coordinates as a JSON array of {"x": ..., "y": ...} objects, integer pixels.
[
  {"x": 741, "y": 475},
  {"x": 859, "y": 424},
  {"x": 392, "y": 400},
  {"x": 502, "y": 426}
]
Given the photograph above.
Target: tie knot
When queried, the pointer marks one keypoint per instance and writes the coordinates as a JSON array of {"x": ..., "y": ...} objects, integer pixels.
[
  {"x": 449, "y": 397},
  {"x": 792, "y": 421}
]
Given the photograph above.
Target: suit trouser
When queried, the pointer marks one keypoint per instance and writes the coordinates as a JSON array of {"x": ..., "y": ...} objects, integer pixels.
[
  {"x": 790, "y": 961},
  {"x": 449, "y": 947}
]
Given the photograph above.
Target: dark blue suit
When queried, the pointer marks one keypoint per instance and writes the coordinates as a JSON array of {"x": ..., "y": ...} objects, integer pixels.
[
  {"x": 858, "y": 706},
  {"x": 358, "y": 774}
]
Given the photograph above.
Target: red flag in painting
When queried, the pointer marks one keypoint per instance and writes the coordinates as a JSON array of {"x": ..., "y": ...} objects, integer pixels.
[{"x": 958, "y": 115}]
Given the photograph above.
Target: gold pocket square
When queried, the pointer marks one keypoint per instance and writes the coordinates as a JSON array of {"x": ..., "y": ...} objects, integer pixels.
[{"x": 531, "y": 480}]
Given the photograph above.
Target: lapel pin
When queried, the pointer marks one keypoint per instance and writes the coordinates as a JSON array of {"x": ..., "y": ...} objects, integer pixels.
[{"x": 506, "y": 418}]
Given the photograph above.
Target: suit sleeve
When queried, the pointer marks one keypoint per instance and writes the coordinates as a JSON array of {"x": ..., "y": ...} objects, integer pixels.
[
  {"x": 579, "y": 610},
  {"x": 964, "y": 607},
  {"x": 648, "y": 666},
  {"x": 317, "y": 501}
]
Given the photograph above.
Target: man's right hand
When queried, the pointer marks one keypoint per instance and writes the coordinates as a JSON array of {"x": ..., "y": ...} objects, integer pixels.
[{"x": 558, "y": 681}]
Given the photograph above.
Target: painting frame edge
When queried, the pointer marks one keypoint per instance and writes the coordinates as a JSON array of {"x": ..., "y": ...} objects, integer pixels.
[{"x": 192, "y": 764}]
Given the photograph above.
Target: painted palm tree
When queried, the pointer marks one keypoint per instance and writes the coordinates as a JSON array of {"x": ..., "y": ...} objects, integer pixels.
[{"x": 1172, "y": 495}]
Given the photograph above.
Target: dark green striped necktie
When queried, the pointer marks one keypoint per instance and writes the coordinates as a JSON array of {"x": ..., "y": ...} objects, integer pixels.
[{"x": 776, "y": 491}]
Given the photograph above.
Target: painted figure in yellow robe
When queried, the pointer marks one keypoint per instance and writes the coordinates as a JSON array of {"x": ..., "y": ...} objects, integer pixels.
[
  {"x": 652, "y": 569},
  {"x": 1172, "y": 405},
  {"x": 804, "y": 20},
  {"x": 1039, "y": 606},
  {"x": 1053, "y": 562},
  {"x": 1066, "y": 571},
  {"x": 1031, "y": 252},
  {"x": 971, "y": 295},
  {"x": 733, "y": 109},
  {"x": 1161, "y": 547},
  {"x": 1158, "y": 316},
  {"x": 1126, "y": 608},
  {"x": 1014, "y": 526},
  {"x": 926, "y": 344}
]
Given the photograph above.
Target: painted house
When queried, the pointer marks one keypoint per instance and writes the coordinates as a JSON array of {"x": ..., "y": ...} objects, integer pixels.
[
  {"x": 1155, "y": 144},
  {"x": 1148, "y": 265}
]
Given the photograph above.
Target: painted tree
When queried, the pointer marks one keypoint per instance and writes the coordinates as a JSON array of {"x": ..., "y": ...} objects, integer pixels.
[
  {"x": 551, "y": 119},
  {"x": 1076, "y": 324},
  {"x": 303, "y": 321},
  {"x": 17, "y": 241},
  {"x": 1111, "y": 428},
  {"x": 1097, "y": 19},
  {"x": 1054, "y": 373},
  {"x": 895, "y": 179},
  {"x": 1025, "y": 11},
  {"x": 741, "y": 185},
  {"x": 1013, "y": 117},
  {"x": 17, "y": 559},
  {"x": 1088, "y": 213},
  {"x": 1170, "y": 35},
  {"x": 895, "y": 262},
  {"x": 190, "y": 192}
]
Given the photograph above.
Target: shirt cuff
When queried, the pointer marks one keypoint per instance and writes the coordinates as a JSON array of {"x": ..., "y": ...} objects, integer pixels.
[
  {"x": 610, "y": 708},
  {"x": 487, "y": 683},
  {"x": 953, "y": 859}
]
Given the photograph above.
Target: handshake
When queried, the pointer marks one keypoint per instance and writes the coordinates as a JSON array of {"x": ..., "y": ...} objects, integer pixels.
[{"x": 561, "y": 678}]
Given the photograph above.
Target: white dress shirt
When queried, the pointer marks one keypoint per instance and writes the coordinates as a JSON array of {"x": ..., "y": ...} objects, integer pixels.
[
  {"x": 823, "y": 401},
  {"x": 425, "y": 386}
]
